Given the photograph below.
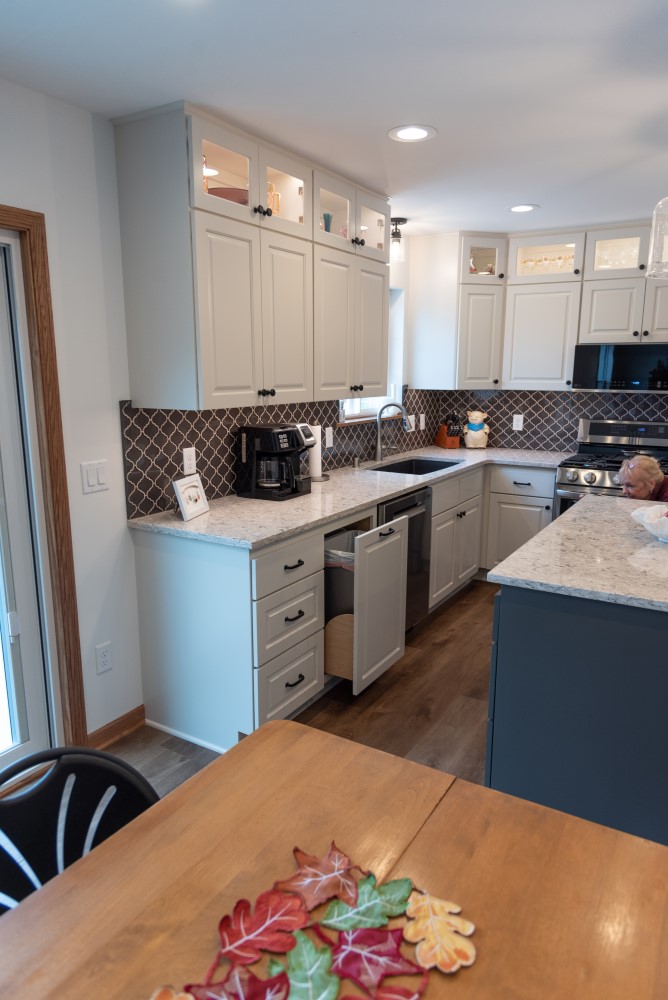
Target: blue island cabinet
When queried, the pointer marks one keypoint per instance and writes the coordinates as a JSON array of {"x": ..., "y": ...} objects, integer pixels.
[{"x": 577, "y": 708}]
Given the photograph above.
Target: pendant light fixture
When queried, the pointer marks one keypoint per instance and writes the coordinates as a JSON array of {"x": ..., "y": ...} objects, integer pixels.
[
  {"x": 397, "y": 248},
  {"x": 658, "y": 242}
]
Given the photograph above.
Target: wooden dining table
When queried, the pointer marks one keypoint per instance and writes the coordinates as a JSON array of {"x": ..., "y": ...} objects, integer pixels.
[{"x": 563, "y": 907}]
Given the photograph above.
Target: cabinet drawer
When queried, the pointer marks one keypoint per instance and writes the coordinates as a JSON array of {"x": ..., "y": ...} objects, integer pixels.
[
  {"x": 523, "y": 481},
  {"x": 289, "y": 680},
  {"x": 470, "y": 486},
  {"x": 286, "y": 564},
  {"x": 444, "y": 496},
  {"x": 455, "y": 491},
  {"x": 286, "y": 617}
]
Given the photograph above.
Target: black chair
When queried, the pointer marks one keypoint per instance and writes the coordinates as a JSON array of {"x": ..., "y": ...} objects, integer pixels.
[{"x": 84, "y": 797}]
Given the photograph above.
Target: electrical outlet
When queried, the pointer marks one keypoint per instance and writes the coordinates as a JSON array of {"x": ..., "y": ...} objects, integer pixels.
[
  {"x": 103, "y": 657},
  {"x": 422, "y": 423},
  {"x": 411, "y": 422},
  {"x": 329, "y": 437},
  {"x": 518, "y": 422},
  {"x": 189, "y": 461}
]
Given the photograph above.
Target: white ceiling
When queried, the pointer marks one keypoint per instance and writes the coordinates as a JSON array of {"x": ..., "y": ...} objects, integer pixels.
[{"x": 564, "y": 105}]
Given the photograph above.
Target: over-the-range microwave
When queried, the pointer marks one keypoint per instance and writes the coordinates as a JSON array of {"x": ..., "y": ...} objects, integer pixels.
[{"x": 627, "y": 367}]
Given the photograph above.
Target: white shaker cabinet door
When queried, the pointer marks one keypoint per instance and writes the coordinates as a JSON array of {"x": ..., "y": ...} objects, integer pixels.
[
  {"x": 287, "y": 318},
  {"x": 655, "y": 313},
  {"x": 540, "y": 334},
  {"x": 480, "y": 331},
  {"x": 229, "y": 314},
  {"x": 371, "y": 328},
  {"x": 612, "y": 311},
  {"x": 442, "y": 556},
  {"x": 467, "y": 540},
  {"x": 334, "y": 285},
  {"x": 380, "y": 601}
]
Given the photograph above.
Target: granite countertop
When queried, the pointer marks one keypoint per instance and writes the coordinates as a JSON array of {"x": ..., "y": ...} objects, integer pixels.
[
  {"x": 596, "y": 551},
  {"x": 254, "y": 523}
]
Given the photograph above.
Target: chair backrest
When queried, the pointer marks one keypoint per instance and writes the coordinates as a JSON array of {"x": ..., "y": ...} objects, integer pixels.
[{"x": 84, "y": 797}]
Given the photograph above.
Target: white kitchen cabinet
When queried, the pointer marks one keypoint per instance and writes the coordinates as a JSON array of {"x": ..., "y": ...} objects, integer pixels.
[
  {"x": 624, "y": 311},
  {"x": 227, "y": 640},
  {"x": 480, "y": 337},
  {"x": 351, "y": 304},
  {"x": 483, "y": 259},
  {"x": 541, "y": 258},
  {"x": 541, "y": 329},
  {"x": 255, "y": 314},
  {"x": 455, "y": 534},
  {"x": 616, "y": 253},
  {"x": 350, "y": 218},
  {"x": 218, "y": 299},
  {"x": 254, "y": 183},
  {"x": 363, "y": 645},
  {"x": 521, "y": 503}
]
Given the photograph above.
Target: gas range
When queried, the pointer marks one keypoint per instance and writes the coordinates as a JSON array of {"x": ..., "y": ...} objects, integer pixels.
[{"x": 602, "y": 447}]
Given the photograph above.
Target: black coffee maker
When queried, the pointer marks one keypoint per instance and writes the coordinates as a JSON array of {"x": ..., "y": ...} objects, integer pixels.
[{"x": 268, "y": 461}]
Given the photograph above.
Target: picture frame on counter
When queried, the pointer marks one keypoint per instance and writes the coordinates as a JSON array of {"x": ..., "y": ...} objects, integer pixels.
[{"x": 191, "y": 496}]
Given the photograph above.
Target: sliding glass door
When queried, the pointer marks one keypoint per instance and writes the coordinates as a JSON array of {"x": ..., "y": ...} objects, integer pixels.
[{"x": 24, "y": 725}]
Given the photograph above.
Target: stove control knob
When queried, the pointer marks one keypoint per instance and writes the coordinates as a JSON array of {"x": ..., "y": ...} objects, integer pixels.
[
  {"x": 616, "y": 480},
  {"x": 571, "y": 477},
  {"x": 590, "y": 477}
]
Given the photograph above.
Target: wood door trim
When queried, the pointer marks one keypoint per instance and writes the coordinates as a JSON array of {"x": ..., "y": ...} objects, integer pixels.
[{"x": 31, "y": 228}]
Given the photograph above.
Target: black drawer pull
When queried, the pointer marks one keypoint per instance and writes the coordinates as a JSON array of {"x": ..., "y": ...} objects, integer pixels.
[
  {"x": 300, "y": 614},
  {"x": 300, "y": 562},
  {"x": 384, "y": 534},
  {"x": 515, "y": 483},
  {"x": 295, "y": 683}
]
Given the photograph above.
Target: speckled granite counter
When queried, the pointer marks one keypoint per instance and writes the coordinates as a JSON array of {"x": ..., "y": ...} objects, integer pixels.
[
  {"x": 596, "y": 551},
  {"x": 254, "y": 523}
]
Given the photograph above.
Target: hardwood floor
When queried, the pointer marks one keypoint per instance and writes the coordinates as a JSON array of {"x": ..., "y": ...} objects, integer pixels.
[{"x": 430, "y": 707}]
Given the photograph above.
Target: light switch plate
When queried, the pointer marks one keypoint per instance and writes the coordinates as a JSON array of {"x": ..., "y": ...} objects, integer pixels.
[
  {"x": 329, "y": 437},
  {"x": 94, "y": 476},
  {"x": 422, "y": 423},
  {"x": 518, "y": 422}
]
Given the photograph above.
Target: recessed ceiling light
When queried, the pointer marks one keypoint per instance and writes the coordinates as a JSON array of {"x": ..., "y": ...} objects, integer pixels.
[
  {"x": 411, "y": 133},
  {"x": 523, "y": 208}
]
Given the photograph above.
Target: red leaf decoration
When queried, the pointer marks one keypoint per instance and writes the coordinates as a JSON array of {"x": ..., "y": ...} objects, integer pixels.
[
  {"x": 319, "y": 879},
  {"x": 367, "y": 956},
  {"x": 241, "y": 984},
  {"x": 244, "y": 935}
]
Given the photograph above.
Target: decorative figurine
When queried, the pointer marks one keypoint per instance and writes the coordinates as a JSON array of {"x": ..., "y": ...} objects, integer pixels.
[{"x": 476, "y": 430}]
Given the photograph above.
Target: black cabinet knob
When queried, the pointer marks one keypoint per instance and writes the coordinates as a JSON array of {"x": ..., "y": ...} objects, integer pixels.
[
  {"x": 645, "y": 333},
  {"x": 495, "y": 381},
  {"x": 355, "y": 241},
  {"x": 568, "y": 382},
  {"x": 262, "y": 392},
  {"x": 636, "y": 333},
  {"x": 641, "y": 267},
  {"x": 576, "y": 271},
  {"x": 268, "y": 212},
  {"x": 360, "y": 387},
  {"x": 259, "y": 210},
  {"x": 502, "y": 275},
  {"x": 547, "y": 507},
  {"x": 272, "y": 392}
]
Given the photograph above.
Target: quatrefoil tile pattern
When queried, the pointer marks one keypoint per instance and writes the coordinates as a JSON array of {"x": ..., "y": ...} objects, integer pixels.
[{"x": 153, "y": 439}]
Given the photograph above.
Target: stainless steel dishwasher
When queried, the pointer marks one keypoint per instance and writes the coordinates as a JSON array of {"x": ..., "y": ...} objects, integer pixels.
[{"x": 417, "y": 508}]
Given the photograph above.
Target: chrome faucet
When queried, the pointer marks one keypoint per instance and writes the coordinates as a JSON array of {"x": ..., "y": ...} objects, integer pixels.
[{"x": 379, "y": 446}]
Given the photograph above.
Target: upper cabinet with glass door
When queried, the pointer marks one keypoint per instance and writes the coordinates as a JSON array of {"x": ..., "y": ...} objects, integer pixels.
[
  {"x": 540, "y": 258},
  {"x": 232, "y": 174},
  {"x": 483, "y": 260},
  {"x": 617, "y": 253},
  {"x": 349, "y": 218}
]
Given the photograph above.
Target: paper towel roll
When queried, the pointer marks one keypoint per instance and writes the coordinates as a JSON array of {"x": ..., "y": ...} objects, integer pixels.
[{"x": 315, "y": 453}]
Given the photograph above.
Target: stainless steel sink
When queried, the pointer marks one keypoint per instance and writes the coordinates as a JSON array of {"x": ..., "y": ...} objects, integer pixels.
[{"x": 415, "y": 466}]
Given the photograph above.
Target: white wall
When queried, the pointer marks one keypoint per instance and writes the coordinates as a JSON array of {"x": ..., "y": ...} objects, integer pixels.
[{"x": 59, "y": 160}]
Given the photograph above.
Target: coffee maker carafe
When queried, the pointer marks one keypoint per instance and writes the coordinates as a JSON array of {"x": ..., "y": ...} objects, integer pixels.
[{"x": 268, "y": 461}]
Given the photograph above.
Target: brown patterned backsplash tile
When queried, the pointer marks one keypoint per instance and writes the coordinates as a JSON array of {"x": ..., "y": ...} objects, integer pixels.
[{"x": 153, "y": 439}]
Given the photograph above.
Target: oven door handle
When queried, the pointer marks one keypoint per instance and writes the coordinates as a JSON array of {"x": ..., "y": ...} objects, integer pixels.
[{"x": 572, "y": 494}]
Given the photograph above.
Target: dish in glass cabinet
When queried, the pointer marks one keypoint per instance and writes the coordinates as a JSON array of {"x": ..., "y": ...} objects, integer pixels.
[{"x": 653, "y": 519}]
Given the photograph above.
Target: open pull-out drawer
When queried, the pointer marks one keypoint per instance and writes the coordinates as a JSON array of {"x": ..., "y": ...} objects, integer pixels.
[{"x": 361, "y": 643}]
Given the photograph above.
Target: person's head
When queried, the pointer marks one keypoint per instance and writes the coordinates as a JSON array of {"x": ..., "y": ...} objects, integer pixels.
[{"x": 639, "y": 475}]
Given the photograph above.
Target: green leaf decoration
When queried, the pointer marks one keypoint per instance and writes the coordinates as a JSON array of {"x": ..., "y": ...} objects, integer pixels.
[
  {"x": 274, "y": 967},
  {"x": 309, "y": 971},
  {"x": 375, "y": 904}
]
